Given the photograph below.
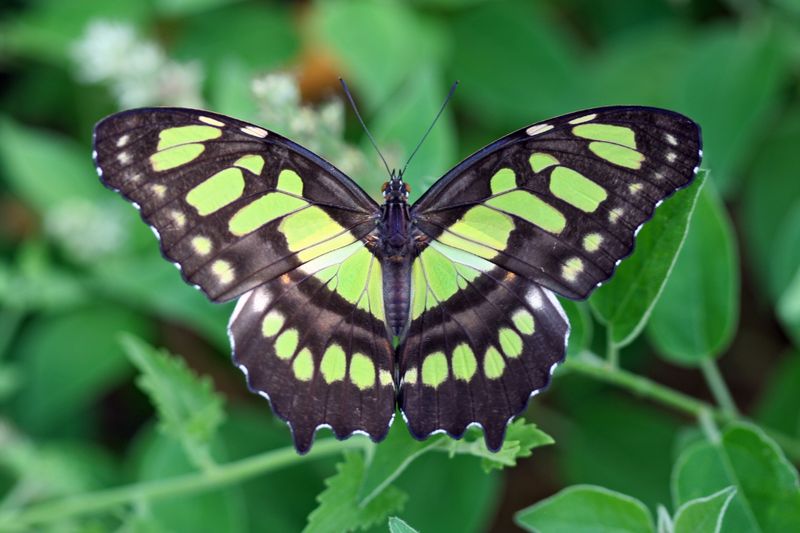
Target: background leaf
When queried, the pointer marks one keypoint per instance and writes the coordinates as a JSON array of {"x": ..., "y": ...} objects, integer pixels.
[
  {"x": 587, "y": 508},
  {"x": 704, "y": 515},
  {"x": 702, "y": 291},
  {"x": 625, "y": 302}
]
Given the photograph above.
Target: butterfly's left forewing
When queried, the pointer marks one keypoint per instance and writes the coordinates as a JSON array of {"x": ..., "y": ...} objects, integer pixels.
[{"x": 245, "y": 212}]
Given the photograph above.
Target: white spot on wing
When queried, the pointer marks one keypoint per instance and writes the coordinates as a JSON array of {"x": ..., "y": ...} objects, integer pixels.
[
  {"x": 585, "y": 118},
  {"x": 255, "y": 131},
  {"x": 260, "y": 300},
  {"x": 212, "y": 121},
  {"x": 538, "y": 128},
  {"x": 123, "y": 157},
  {"x": 671, "y": 139},
  {"x": 671, "y": 157},
  {"x": 122, "y": 141},
  {"x": 534, "y": 298}
]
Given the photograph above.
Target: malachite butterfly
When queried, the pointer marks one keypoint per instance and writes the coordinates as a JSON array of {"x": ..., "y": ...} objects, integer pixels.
[{"x": 445, "y": 308}]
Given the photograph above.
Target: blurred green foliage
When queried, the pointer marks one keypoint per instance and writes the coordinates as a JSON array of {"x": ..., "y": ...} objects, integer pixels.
[{"x": 84, "y": 294}]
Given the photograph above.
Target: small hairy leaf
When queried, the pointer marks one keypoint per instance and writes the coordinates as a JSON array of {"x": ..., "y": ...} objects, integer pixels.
[
  {"x": 587, "y": 508},
  {"x": 521, "y": 438},
  {"x": 188, "y": 408},
  {"x": 339, "y": 508}
]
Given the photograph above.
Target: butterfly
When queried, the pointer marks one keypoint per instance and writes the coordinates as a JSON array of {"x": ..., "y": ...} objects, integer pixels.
[{"x": 446, "y": 309}]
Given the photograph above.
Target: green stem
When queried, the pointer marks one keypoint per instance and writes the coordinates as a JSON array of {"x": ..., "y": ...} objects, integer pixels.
[
  {"x": 612, "y": 350},
  {"x": 718, "y": 387},
  {"x": 60, "y": 509},
  {"x": 594, "y": 367}
]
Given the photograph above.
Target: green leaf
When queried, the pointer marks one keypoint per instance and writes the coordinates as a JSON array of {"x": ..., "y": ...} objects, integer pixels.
[
  {"x": 789, "y": 309},
  {"x": 586, "y": 508},
  {"x": 338, "y": 504},
  {"x": 188, "y": 408},
  {"x": 624, "y": 304},
  {"x": 581, "y": 326},
  {"x": 704, "y": 515},
  {"x": 396, "y": 525},
  {"x": 771, "y": 207},
  {"x": 61, "y": 169},
  {"x": 779, "y": 406},
  {"x": 69, "y": 361},
  {"x": 521, "y": 438},
  {"x": 733, "y": 79},
  {"x": 497, "y": 42},
  {"x": 696, "y": 316},
  {"x": 767, "y": 490}
]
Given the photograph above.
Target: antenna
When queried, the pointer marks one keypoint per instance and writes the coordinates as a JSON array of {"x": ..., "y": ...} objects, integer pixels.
[
  {"x": 358, "y": 115},
  {"x": 436, "y": 118}
]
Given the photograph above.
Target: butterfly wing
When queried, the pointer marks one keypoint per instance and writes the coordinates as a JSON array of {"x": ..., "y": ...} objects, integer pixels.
[
  {"x": 245, "y": 212},
  {"x": 552, "y": 207}
]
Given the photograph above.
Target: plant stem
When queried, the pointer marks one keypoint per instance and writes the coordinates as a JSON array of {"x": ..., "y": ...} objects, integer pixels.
[
  {"x": 226, "y": 474},
  {"x": 591, "y": 365},
  {"x": 718, "y": 387},
  {"x": 612, "y": 350}
]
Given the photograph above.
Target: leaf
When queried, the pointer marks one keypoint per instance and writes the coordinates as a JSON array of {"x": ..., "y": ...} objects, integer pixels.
[
  {"x": 779, "y": 405},
  {"x": 624, "y": 304},
  {"x": 586, "y": 508},
  {"x": 732, "y": 82},
  {"x": 521, "y": 438},
  {"x": 60, "y": 171},
  {"x": 338, "y": 508},
  {"x": 69, "y": 360},
  {"x": 696, "y": 316},
  {"x": 498, "y": 42},
  {"x": 704, "y": 515},
  {"x": 581, "y": 326},
  {"x": 767, "y": 490},
  {"x": 770, "y": 207},
  {"x": 396, "y": 525},
  {"x": 389, "y": 459},
  {"x": 789, "y": 309},
  {"x": 188, "y": 408}
]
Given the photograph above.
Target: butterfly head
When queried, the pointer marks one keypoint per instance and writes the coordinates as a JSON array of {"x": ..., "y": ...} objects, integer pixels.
[{"x": 396, "y": 189}]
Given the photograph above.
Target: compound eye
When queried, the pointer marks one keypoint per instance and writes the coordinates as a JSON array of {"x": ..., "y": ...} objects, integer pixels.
[
  {"x": 384, "y": 186},
  {"x": 407, "y": 187}
]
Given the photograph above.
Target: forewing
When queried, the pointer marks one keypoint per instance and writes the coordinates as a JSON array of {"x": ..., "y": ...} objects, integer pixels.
[
  {"x": 559, "y": 203},
  {"x": 233, "y": 205},
  {"x": 481, "y": 341},
  {"x": 313, "y": 341}
]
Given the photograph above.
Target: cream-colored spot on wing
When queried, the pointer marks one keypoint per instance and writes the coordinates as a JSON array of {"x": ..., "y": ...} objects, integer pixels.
[
  {"x": 158, "y": 190},
  {"x": 122, "y": 141},
  {"x": 410, "y": 377},
  {"x": 635, "y": 188},
  {"x": 212, "y": 121},
  {"x": 255, "y": 131},
  {"x": 614, "y": 214},
  {"x": 585, "y": 118},
  {"x": 123, "y": 157},
  {"x": 178, "y": 218},
  {"x": 571, "y": 269},
  {"x": 538, "y": 128},
  {"x": 671, "y": 139},
  {"x": 671, "y": 157},
  {"x": 223, "y": 271},
  {"x": 201, "y": 245}
]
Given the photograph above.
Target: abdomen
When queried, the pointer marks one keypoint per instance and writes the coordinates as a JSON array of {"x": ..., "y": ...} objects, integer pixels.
[{"x": 397, "y": 291}]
